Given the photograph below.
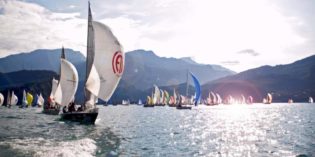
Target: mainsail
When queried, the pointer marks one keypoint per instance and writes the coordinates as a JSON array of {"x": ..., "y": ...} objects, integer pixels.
[
  {"x": 92, "y": 80},
  {"x": 68, "y": 82},
  {"x": 109, "y": 60},
  {"x": 156, "y": 97},
  {"x": 40, "y": 100},
  {"x": 197, "y": 88},
  {"x": 14, "y": 99},
  {"x": 29, "y": 98},
  {"x": 24, "y": 101}
]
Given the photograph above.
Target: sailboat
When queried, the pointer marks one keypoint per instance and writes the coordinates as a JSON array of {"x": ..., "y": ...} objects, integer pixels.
[
  {"x": 1, "y": 99},
  {"x": 140, "y": 102},
  {"x": 268, "y": 99},
  {"x": 310, "y": 100},
  {"x": 157, "y": 96},
  {"x": 250, "y": 100},
  {"x": 40, "y": 100},
  {"x": 197, "y": 90},
  {"x": 219, "y": 99},
  {"x": 172, "y": 102},
  {"x": 29, "y": 99},
  {"x": 14, "y": 99},
  {"x": 290, "y": 101},
  {"x": 24, "y": 101},
  {"x": 149, "y": 102},
  {"x": 53, "y": 104},
  {"x": 104, "y": 68}
]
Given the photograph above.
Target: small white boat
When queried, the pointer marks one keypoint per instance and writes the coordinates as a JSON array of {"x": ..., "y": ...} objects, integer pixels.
[{"x": 310, "y": 100}]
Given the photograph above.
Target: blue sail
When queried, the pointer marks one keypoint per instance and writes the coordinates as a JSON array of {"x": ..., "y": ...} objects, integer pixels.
[
  {"x": 35, "y": 101},
  {"x": 197, "y": 89}
]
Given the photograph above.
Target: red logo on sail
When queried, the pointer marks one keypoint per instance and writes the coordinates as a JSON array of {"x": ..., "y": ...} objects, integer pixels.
[{"x": 118, "y": 63}]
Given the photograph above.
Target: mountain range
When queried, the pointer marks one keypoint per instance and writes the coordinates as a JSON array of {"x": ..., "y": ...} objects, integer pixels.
[
  {"x": 143, "y": 69},
  {"x": 33, "y": 71},
  {"x": 295, "y": 80}
]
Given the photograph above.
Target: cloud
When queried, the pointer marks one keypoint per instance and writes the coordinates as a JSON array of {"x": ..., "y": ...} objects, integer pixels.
[
  {"x": 72, "y": 6},
  {"x": 212, "y": 31},
  {"x": 27, "y": 26},
  {"x": 249, "y": 52}
]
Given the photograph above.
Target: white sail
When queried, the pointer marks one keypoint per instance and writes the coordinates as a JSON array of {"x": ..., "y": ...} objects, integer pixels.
[
  {"x": 54, "y": 86},
  {"x": 310, "y": 100},
  {"x": 219, "y": 100},
  {"x": 24, "y": 101},
  {"x": 14, "y": 99},
  {"x": 68, "y": 81},
  {"x": 57, "y": 98},
  {"x": 109, "y": 60},
  {"x": 93, "y": 83},
  {"x": 40, "y": 100},
  {"x": 156, "y": 96},
  {"x": 1, "y": 99}
]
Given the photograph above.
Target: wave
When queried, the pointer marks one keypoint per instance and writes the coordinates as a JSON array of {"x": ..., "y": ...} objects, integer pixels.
[{"x": 49, "y": 148}]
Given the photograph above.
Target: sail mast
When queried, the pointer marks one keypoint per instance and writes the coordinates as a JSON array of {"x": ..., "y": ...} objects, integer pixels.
[
  {"x": 63, "y": 56},
  {"x": 89, "y": 52}
]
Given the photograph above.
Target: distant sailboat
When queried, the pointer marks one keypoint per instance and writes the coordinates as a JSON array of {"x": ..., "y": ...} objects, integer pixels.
[
  {"x": 219, "y": 99},
  {"x": 290, "y": 101},
  {"x": 24, "y": 101},
  {"x": 197, "y": 89},
  {"x": 197, "y": 93},
  {"x": 156, "y": 96},
  {"x": 250, "y": 100},
  {"x": 310, "y": 100},
  {"x": 14, "y": 99},
  {"x": 140, "y": 102},
  {"x": 149, "y": 102},
  {"x": 1, "y": 99},
  {"x": 104, "y": 68},
  {"x": 8, "y": 99},
  {"x": 268, "y": 99},
  {"x": 40, "y": 100},
  {"x": 29, "y": 99}
]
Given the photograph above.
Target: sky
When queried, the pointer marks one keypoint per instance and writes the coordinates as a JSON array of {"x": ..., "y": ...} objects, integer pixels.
[{"x": 238, "y": 35}]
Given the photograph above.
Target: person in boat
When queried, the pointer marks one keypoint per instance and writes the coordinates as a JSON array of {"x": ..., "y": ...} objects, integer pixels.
[
  {"x": 71, "y": 107},
  {"x": 64, "y": 109},
  {"x": 80, "y": 108}
]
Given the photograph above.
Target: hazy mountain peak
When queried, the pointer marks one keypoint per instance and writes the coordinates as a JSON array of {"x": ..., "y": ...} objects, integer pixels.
[{"x": 189, "y": 60}]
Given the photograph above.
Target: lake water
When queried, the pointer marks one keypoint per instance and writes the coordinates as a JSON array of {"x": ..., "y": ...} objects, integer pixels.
[{"x": 239, "y": 130}]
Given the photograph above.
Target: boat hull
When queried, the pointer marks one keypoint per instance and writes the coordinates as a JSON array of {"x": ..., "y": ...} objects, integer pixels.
[
  {"x": 51, "y": 111},
  {"x": 183, "y": 107},
  {"x": 83, "y": 117},
  {"x": 148, "y": 105}
]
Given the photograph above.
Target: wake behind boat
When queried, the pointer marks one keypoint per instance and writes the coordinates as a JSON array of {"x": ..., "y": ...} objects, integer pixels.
[{"x": 104, "y": 68}]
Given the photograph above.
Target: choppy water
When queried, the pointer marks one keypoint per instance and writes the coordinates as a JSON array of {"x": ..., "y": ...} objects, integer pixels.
[{"x": 257, "y": 130}]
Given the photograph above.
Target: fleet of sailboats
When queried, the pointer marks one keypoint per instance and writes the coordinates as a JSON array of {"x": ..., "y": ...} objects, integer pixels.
[{"x": 104, "y": 69}]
